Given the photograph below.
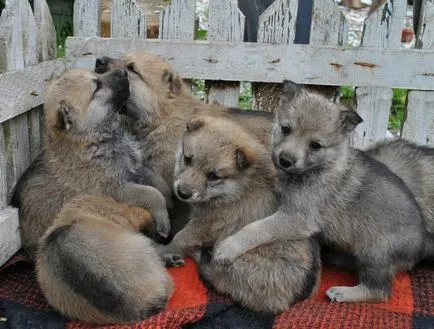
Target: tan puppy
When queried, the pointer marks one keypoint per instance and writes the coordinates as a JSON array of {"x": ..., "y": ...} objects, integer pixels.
[
  {"x": 228, "y": 178},
  {"x": 86, "y": 153}
]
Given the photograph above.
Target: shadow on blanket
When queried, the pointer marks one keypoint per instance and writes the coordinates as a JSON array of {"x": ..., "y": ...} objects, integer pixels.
[{"x": 193, "y": 306}]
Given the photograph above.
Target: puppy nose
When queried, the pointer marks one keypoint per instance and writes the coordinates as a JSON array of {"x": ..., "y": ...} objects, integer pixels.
[
  {"x": 101, "y": 64},
  {"x": 285, "y": 161},
  {"x": 184, "y": 194}
]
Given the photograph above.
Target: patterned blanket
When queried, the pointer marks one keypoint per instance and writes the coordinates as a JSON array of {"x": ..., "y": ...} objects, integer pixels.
[{"x": 193, "y": 306}]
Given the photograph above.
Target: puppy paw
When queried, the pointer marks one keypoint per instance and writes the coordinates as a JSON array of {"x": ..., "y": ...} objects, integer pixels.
[
  {"x": 227, "y": 251},
  {"x": 356, "y": 294},
  {"x": 336, "y": 294},
  {"x": 173, "y": 260}
]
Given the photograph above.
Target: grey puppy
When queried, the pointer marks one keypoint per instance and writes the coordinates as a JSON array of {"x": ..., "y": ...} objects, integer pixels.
[
  {"x": 415, "y": 165},
  {"x": 227, "y": 176},
  {"x": 355, "y": 203}
]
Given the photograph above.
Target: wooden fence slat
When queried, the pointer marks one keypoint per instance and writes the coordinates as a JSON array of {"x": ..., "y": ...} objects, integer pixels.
[
  {"x": 309, "y": 64},
  {"x": 28, "y": 87},
  {"x": 226, "y": 23},
  {"x": 46, "y": 31},
  {"x": 46, "y": 51},
  {"x": 177, "y": 20},
  {"x": 276, "y": 26},
  {"x": 128, "y": 20},
  {"x": 3, "y": 177},
  {"x": 19, "y": 29},
  {"x": 382, "y": 29},
  {"x": 20, "y": 140},
  {"x": 329, "y": 26},
  {"x": 87, "y": 18},
  {"x": 419, "y": 124},
  {"x": 10, "y": 240}
]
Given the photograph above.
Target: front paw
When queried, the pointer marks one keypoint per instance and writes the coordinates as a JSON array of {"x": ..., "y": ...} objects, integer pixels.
[
  {"x": 170, "y": 258},
  {"x": 227, "y": 251},
  {"x": 173, "y": 260},
  {"x": 162, "y": 223}
]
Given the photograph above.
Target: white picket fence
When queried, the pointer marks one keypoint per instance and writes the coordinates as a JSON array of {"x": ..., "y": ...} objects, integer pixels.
[{"x": 27, "y": 64}]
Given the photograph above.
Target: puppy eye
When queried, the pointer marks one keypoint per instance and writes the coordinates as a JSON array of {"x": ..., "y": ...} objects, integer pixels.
[
  {"x": 212, "y": 176},
  {"x": 315, "y": 146},
  {"x": 286, "y": 130},
  {"x": 187, "y": 160},
  {"x": 130, "y": 67}
]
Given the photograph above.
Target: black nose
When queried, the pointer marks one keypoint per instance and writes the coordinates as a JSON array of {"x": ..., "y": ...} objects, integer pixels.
[
  {"x": 102, "y": 64},
  {"x": 286, "y": 162},
  {"x": 184, "y": 194}
]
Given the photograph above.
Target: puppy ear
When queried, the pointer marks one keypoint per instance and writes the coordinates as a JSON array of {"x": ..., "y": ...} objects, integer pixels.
[
  {"x": 174, "y": 81},
  {"x": 349, "y": 120},
  {"x": 64, "y": 121},
  {"x": 194, "y": 124},
  {"x": 290, "y": 90},
  {"x": 244, "y": 159}
]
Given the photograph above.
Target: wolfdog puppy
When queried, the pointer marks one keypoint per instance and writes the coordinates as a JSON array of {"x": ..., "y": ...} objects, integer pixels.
[
  {"x": 228, "y": 178},
  {"x": 93, "y": 263},
  {"x": 355, "y": 203},
  {"x": 414, "y": 164},
  {"x": 86, "y": 153}
]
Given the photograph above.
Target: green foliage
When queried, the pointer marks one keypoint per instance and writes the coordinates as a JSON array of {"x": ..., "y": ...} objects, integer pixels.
[
  {"x": 64, "y": 29},
  {"x": 246, "y": 96},
  {"x": 399, "y": 101},
  {"x": 201, "y": 34}
]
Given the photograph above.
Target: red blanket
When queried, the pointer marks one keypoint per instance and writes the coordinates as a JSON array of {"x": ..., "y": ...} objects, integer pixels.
[{"x": 193, "y": 306}]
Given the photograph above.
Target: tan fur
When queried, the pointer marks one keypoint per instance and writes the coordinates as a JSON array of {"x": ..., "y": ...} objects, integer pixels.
[
  {"x": 270, "y": 278},
  {"x": 101, "y": 236},
  {"x": 86, "y": 153}
]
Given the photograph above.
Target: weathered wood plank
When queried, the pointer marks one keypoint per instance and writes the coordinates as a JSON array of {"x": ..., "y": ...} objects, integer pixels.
[
  {"x": 46, "y": 51},
  {"x": 226, "y": 23},
  {"x": 87, "y": 15},
  {"x": 276, "y": 26},
  {"x": 46, "y": 31},
  {"x": 177, "y": 20},
  {"x": 382, "y": 29},
  {"x": 308, "y": 64},
  {"x": 329, "y": 26},
  {"x": 128, "y": 20},
  {"x": 18, "y": 30},
  {"x": 10, "y": 240},
  {"x": 373, "y": 105},
  {"x": 28, "y": 86},
  {"x": 419, "y": 124},
  {"x": 3, "y": 178}
]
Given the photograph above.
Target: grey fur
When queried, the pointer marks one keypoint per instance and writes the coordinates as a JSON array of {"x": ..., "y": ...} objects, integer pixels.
[
  {"x": 226, "y": 175},
  {"x": 414, "y": 164},
  {"x": 355, "y": 203}
]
